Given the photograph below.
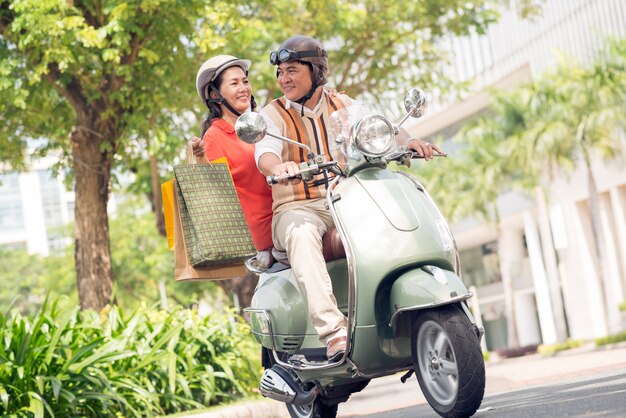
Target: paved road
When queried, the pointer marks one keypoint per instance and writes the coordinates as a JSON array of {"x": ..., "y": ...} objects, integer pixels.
[
  {"x": 504, "y": 376},
  {"x": 509, "y": 383},
  {"x": 601, "y": 394}
]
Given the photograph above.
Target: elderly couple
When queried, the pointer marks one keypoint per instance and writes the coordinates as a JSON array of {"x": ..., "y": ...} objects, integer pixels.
[{"x": 291, "y": 216}]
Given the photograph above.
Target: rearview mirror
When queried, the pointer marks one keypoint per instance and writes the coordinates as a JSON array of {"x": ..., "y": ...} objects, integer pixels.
[
  {"x": 415, "y": 102},
  {"x": 250, "y": 127}
]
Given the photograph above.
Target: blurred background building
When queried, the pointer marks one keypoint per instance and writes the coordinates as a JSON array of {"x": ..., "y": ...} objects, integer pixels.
[
  {"x": 34, "y": 207},
  {"x": 515, "y": 50}
]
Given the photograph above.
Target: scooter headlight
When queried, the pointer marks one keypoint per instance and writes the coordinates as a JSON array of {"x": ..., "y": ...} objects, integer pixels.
[{"x": 373, "y": 135}]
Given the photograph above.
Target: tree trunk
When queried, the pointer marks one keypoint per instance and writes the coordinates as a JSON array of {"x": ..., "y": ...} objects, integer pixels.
[
  {"x": 157, "y": 199},
  {"x": 92, "y": 168}
]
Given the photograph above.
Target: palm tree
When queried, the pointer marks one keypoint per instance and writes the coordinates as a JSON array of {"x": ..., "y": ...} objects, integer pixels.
[{"x": 575, "y": 117}]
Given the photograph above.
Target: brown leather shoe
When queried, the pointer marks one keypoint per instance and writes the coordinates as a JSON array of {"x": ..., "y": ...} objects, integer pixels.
[{"x": 335, "y": 348}]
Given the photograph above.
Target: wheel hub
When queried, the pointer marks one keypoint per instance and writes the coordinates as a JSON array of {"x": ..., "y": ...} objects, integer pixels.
[{"x": 435, "y": 363}]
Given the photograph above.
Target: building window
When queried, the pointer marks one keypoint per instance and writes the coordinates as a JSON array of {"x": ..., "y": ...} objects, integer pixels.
[
  {"x": 480, "y": 265},
  {"x": 11, "y": 216},
  {"x": 50, "y": 199}
]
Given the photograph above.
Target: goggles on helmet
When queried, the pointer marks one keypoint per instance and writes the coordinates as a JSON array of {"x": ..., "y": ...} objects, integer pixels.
[{"x": 285, "y": 55}]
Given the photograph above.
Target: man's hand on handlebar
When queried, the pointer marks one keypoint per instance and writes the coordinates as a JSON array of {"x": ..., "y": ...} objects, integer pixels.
[
  {"x": 288, "y": 170},
  {"x": 425, "y": 150}
]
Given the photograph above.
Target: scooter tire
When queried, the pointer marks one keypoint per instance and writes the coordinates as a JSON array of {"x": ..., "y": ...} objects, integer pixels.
[
  {"x": 448, "y": 361},
  {"x": 316, "y": 409}
]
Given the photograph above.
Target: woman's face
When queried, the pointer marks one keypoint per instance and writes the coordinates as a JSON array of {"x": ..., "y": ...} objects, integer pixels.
[{"x": 236, "y": 89}]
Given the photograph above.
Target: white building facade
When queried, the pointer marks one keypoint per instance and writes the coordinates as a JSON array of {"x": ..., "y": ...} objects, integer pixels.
[
  {"x": 536, "y": 275},
  {"x": 34, "y": 207}
]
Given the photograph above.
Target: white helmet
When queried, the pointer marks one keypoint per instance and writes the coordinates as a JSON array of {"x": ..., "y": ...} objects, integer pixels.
[{"x": 212, "y": 67}]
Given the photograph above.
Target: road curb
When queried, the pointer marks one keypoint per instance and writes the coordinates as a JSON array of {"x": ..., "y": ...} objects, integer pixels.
[{"x": 260, "y": 408}]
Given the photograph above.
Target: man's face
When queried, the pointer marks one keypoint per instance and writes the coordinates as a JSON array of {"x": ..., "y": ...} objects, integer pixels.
[{"x": 294, "y": 79}]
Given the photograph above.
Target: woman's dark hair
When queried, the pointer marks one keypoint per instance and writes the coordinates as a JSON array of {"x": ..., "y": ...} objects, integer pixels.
[{"x": 215, "y": 110}]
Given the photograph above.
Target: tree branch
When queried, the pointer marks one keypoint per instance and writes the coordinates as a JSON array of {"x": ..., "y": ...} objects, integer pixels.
[
  {"x": 73, "y": 92},
  {"x": 6, "y": 16}
]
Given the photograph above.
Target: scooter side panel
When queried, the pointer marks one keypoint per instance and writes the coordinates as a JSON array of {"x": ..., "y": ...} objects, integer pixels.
[
  {"x": 278, "y": 294},
  {"x": 282, "y": 301}
]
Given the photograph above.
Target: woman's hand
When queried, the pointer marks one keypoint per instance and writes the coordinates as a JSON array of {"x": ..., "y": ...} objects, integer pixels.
[
  {"x": 333, "y": 92},
  {"x": 197, "y": 146}
]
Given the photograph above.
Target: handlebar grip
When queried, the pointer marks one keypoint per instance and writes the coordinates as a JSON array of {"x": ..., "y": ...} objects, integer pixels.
[
  {"x": 415, "y": 155},
  {"x": 270, "y": 180}
]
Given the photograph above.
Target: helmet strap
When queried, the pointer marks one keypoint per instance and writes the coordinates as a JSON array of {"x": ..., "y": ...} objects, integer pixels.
[
  {"x": 302, "y": 100},
  {"x": 221, "y": 100}
]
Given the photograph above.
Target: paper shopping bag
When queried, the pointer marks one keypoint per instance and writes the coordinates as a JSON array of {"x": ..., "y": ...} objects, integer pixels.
[
  {"x": 184, "y": 271},
  {"x": 214, "y": 227}
]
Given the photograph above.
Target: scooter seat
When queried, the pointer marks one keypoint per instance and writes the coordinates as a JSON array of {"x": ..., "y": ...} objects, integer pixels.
[{"x": 332, "y": 248}]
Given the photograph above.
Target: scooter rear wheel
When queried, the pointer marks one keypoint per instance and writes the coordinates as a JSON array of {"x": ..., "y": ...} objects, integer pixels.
[
  {"x": 316, "y": 409},
  {"x": 448, "y": 361}
]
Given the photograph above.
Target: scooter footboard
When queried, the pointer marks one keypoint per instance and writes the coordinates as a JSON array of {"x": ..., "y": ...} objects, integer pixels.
[{"x": 424, "y": 288}]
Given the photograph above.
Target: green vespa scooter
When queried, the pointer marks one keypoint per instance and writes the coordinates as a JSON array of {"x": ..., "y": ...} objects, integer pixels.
[{"x": 398, "y": 283}]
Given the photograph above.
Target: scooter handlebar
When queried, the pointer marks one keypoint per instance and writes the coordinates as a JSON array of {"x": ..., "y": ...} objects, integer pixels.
[
  {"x": 415, "y": 155},
  {"x": 271, "y": 180},
  {"x": 308, "y": 172}
]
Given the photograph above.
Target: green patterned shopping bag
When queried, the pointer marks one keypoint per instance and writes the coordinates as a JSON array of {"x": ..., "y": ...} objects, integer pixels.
[{"x": 215, "y": 230}]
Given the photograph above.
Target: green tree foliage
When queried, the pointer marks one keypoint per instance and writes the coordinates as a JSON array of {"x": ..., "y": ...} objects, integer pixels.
[
  {"x": 109, "y": 84},
  {"x": 64, "y": 362}
]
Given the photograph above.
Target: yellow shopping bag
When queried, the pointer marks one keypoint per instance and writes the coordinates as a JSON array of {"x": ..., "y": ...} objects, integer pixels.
[{"x": 167, "y": 193}]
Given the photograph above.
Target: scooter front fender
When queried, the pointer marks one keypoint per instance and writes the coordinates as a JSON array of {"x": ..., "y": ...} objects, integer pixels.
[{"x": 425, "y": 288}]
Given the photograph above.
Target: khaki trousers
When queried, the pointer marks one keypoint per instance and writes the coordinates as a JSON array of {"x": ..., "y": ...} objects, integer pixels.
[{"x": 298, "y": 227}]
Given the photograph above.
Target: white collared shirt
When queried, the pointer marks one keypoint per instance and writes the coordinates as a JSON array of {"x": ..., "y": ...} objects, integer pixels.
[{"x": 275, "y": 145}]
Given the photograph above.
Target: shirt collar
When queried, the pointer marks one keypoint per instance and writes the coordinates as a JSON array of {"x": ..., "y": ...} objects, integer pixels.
[{"x": 223, "y": 125}]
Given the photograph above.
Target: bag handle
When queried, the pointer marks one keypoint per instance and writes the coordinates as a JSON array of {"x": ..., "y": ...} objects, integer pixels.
[{"x": 190, "y": 158}]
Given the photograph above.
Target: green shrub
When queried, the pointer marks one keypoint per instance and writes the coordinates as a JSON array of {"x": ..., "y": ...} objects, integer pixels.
[
  {"x": 611, "y": 339},
  {"x": 622, "y": 306},
  {"x": 548, "y": 350},
  {"x": 64, "y": 362}
]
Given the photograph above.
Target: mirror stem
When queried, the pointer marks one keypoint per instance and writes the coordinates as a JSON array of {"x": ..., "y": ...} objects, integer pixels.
[{"x": 291, "y": 141}]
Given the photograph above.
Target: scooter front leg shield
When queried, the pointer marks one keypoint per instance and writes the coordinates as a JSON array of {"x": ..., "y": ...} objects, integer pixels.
[{"x": 425, "y": 288}]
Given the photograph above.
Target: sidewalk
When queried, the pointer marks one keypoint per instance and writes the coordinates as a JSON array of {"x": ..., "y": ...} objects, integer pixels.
[{"x": 502, "y": 375}]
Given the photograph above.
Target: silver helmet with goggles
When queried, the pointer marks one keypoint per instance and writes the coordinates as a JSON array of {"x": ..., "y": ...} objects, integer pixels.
[{"x": 305, "y": 49}]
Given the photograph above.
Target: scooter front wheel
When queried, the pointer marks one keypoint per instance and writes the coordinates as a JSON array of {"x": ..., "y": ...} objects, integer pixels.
[
  {"x": 315, "y": 409},
  {"x": 448, "y": 361}
]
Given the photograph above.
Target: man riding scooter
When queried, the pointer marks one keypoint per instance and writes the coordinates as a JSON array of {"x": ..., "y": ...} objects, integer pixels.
[{"x": 300, "y": 214}]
